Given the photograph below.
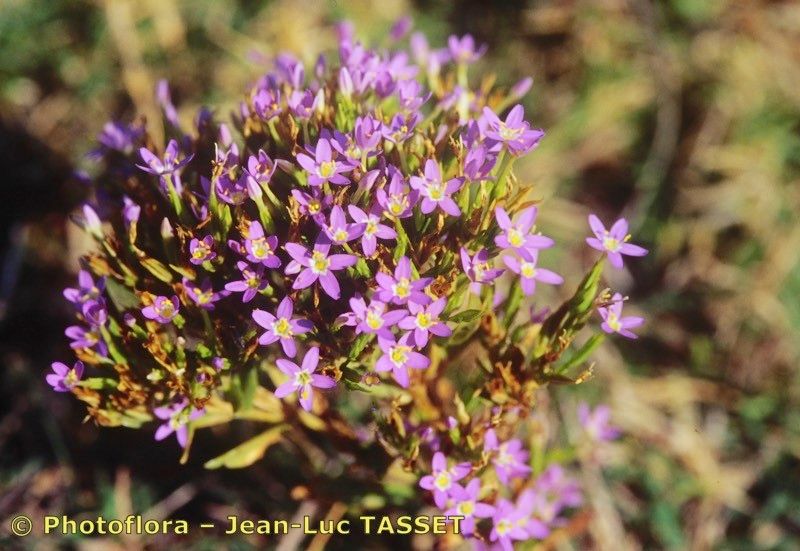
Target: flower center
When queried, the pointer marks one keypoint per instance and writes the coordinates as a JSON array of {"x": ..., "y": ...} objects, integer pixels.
[
  {"x": 436, "y": 191},
  {"x": 399, "y": 355},
  {"x": 91, "y": 293},
  {"x": 327, "y": 168},
  {"x": 443, "y": 481},
  {"x": 515, "y": 237},
  {"x": 613, "y": 321},
  {"x": 251, "y": 278},
  {"x": 466, "y": 508},
  {"x": 166, "y": 309},
  {"x": 71, "y": 379},
  {"x": 528, "y": 270},
  {"x": 424, "y": 320},
  {"x": 282, "y": 328},
  {"x": 340, "y": 235},
  {"x": 179, "y": 418},
  {"x": 397, "y": 204},
  {"x": 372, "y": 227},
  {"x": 402, "y": 288},
  {"x": 319, "y": 263},
  {"x": 503, "y": 527},
  {"x": 374, "y": 320},
  {"x": 201, "y": 251},
  {"x": 260, "y": 247},
  {"x": 314, "y": 206},
  {"x": 202, "y": 297},
  {"x": 353, "y": 151},
  {"x": 507, "y": 133},
  {"x": 302, "y": 378},
  {"x": 236, "y": 193},
  {"x": 610, "y": 243},
  {"x": 504, "y": 458}
]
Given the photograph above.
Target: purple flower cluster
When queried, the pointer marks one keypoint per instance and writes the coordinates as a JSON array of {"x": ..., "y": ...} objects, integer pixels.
[
  {"x": 336, "y": 244},
  {"x": 87, "y": 298},
  {"x": 414, "y": 318},
  {"x": 535, "y": 511},
  {"x": 514, "y": 237},
  {"x": 614, "y": 243}
]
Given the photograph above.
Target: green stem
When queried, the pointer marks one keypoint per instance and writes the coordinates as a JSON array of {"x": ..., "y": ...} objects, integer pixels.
[
  {"x": 273, "y": 198},
  {"x": 264, "y": 215},
  {"x": 210, "y": 329},
  {"x": 173, "y": 195},
  {"x": 502, "y": 175},
  {"x": 462, "y": 75},
  {"x": 273, "y": 132},
  {"x": 513, "y": 303},
  {"x": 403, "y": 160},
  {"x": 401, "y": 233},
  {"x": 499, "y": 185},
  {"x": 112, "y": 347}
]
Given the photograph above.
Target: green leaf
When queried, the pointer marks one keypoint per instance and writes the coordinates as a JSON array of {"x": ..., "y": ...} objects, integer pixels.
[
  {"x": 463, "y": 333},
  {"x": 466, "y": 315},
  {"x": 98, "y": 383},
  {"x": 351, "y": 378},
  {"x": 122, "y": 297},
  {"x": 586, "y": 293},
  {"x": 217, "y": 412},
  {"x": 311, "y": 421},
  {"x": 582, "y": 354},
  {"x": 362, "y": 269},
  {"x": 225, "y": 219},
  {"x": 249, "y": 452},
  {"x": 359, "y": 345},
  {"x": 249, "y": 384},
  {"x": 457, "y": 296},
  {"x": 573, "y": 314},
  {"x": 188, "y": 273},
  {"x": 402, "y": 240},
  {"x": 203, "y": 351},
  {"x": 355, "y": 385},
  {"x": 157, "y": 269},
  {"x": 112, "y": 346},
  {"x": 134, "y": 419},
  {"x": 513, "y": 304}
]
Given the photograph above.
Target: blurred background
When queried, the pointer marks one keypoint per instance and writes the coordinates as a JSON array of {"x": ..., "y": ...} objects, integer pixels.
[{"x": 683, "y": 116}]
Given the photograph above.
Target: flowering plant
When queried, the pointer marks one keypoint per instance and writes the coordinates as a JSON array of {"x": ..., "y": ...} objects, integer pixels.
[{"x": 349, "y": 271}]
